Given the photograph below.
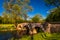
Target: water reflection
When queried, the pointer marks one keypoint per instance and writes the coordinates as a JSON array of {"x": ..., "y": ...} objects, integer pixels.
[
  {"x": 8, "y": 35},
  {"x": 5, "y": 35}
]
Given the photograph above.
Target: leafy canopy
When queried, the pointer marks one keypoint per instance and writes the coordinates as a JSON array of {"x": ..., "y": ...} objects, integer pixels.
[
  {"x": 54, "y": 16},
  {"x": 37, "y": 18}
]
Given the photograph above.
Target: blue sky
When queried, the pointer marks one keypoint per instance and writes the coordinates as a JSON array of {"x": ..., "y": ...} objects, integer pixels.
[
  {"x": 37, "y": 5},
  {"x": 1, "y": 7}
]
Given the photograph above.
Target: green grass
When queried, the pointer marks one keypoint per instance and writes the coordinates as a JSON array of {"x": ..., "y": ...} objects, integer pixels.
[
  {"x": 25, "y": 37},
  {"x": 6, "y": 26},
  {"x": 42, "y": 36}
]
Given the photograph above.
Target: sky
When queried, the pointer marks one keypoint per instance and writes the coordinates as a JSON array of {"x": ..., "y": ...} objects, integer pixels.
[{"x": 39, "y": 7}]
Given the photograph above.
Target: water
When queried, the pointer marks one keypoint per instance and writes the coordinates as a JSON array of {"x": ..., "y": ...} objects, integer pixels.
[{"x": 5, "y": 35}]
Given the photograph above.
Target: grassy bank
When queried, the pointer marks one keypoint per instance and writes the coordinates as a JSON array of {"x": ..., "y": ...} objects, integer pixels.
[
  {"x": 42, "y": 36},
  {"x": 6, "y": 27}
]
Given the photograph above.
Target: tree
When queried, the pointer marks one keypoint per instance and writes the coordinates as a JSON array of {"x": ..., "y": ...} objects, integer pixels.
[
  {"x": 5, "y": 18},
  {"x": 55, "y": 3},
  {"x": 54, "y": 16},
  {"x": 0, "y": 19},
  {"x": 37, "y": 18},
  {"x": 17, "y": 7},
  {"x": 25, "y": 16}
]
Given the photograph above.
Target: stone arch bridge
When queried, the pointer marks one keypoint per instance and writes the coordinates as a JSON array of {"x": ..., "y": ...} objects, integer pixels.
[{"x": 30, "y": 28}]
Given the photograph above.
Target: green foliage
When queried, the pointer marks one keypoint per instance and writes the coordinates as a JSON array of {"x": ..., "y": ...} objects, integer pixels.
[
  {"x": 36, "y": 18},
  {"x": 42, "y": 36},
  {"x": 6, "y": 27},
  {"x": 54, "y": 16},
  {"x": 0, "y": 19},
  {"x": 53, "y": 3},
  {"x": 17, "y": 8},
  {"x": 7, "y": 19}
]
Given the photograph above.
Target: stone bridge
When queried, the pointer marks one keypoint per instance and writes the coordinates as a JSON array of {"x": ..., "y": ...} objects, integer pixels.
[{"x": 30, "y": 28}]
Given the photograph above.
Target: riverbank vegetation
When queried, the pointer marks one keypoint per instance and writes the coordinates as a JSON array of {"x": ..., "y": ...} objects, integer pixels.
[
  {"x": 42, "y": 36},
  {"x": 7, "y": 27}
]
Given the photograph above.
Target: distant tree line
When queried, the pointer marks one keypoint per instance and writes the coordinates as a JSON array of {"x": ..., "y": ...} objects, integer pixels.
[{"x": 7, "y": 18}]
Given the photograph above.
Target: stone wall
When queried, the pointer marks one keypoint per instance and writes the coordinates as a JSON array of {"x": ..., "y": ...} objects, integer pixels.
[{"x": 53, "y": 28}]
